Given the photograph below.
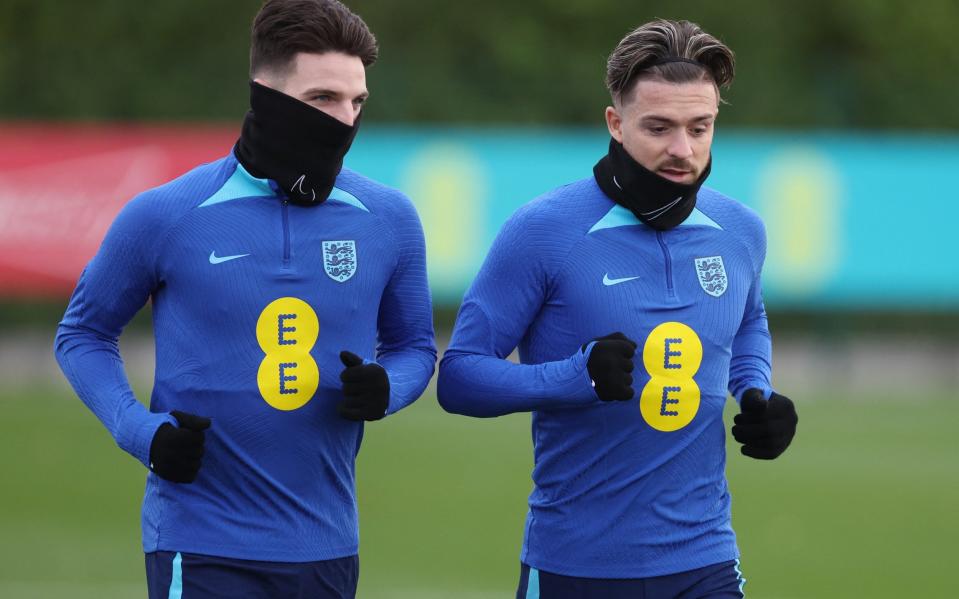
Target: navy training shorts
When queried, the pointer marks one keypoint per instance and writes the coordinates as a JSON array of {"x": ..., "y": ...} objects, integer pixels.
[
  {"x": 172, "y": 575},
  {"x": 719, "y": 581}
]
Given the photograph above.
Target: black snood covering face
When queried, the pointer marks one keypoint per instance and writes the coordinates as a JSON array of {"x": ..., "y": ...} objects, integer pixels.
[
  {"x": 657, "y": 201},
  {"x": 296, "y": 145}
]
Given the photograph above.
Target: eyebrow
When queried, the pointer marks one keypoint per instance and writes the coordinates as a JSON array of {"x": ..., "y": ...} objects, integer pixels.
[
  {"x": 315, "y": 91},
  {"x": 667, "y": 121}
]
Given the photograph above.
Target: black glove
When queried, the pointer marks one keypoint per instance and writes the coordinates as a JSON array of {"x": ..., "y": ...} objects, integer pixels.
[
  {"x": 366, "y": 389},
  {"x": 765, "y": 428},
  {"x": 175, "y": 452},
  {"x": 610, "y": 364}
]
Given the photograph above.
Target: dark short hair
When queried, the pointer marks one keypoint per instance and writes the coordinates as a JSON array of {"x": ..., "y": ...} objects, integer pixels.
[
  {"x": 284, "y": 28},
  {"x": 638, "y": 53}
]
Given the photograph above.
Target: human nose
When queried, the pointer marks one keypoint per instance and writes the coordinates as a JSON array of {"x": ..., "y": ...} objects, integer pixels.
[
  {"x": 679, "y": 145},
  {"x": 345, "y": 112}
]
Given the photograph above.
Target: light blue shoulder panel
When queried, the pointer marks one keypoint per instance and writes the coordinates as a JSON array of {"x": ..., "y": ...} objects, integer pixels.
[
  {"x": 241, "y": 184},
  {"x": 339, "y": 195},
  {"x": 620, "y": 216}
]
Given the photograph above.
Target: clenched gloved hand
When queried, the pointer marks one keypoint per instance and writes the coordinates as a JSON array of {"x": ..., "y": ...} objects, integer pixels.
[
  {"x": 765, "y": 428},
  {"x": 176, "y": 451},
  {"x": 610, "y": 366},
  {"x": 366, "y": 389}
]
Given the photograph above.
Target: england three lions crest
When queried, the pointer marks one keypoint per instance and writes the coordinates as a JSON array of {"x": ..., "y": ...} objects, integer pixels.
[
  {"x": 339, "y": 259},
  {"x": 712, "y": 275}
]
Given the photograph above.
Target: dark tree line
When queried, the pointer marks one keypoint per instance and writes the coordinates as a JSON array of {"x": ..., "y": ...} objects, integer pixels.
[{"x": 886, "y": 64}]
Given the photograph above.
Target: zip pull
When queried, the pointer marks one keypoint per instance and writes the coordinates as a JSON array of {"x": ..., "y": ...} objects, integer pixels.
[
  {"x": 285, "y": 210},
  {"x": 660, "y": 236}
]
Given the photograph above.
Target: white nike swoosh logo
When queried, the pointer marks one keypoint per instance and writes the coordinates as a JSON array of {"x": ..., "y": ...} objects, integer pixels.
[
  {"x": 607, "y": 281},
  {"x": 214, "y": 259}
]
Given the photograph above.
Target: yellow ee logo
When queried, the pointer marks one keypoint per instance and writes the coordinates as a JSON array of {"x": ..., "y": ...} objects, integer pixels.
[
  {"x": 672, "y": 355},
  {"x": 288, "y": 376}
]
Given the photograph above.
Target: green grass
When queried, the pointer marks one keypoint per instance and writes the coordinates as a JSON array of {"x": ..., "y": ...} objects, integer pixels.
[{"x": 865, "y": 503}]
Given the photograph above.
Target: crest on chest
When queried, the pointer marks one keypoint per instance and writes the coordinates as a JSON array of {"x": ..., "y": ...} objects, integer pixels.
[
  {"x": 339, "y": 259},
  {"x": 711, "y": 273}
]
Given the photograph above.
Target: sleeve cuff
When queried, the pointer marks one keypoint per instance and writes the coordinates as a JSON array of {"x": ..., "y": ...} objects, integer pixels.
[
  {"x": 583, "y": 386},
  {"x": 136, "y": 430},
  {"x": 763, "y": 386}
]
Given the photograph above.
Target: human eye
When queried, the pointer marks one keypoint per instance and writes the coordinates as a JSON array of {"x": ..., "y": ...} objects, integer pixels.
[
  {"x": 318, "y": 97},
  {"x": 700, "y": 129}
]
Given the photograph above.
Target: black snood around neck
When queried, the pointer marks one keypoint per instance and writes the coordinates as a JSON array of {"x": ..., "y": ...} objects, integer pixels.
[
  {"x": 296, "y": 145},
  {"x": 657, "y": 201}
]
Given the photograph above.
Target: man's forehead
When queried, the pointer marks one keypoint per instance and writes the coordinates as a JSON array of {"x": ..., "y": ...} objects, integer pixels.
[
  {"x": 658, "y": 97},
  {"x": 331, "y": 70}
]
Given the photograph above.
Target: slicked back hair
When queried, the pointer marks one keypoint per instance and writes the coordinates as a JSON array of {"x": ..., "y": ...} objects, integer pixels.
[
  {"x": 284, "y": 28},
  {"x": 635, "y": 57}
]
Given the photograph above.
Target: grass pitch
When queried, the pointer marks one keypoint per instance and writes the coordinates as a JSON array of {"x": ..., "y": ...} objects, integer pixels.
[{"x": 864, "y": 504}]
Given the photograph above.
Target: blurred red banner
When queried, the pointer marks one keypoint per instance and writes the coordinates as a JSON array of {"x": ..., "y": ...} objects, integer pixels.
[{"x": 62, "y": 185}]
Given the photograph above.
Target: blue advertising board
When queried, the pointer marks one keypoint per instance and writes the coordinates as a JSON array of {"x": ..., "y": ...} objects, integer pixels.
[{"x": 852, "y": 219}]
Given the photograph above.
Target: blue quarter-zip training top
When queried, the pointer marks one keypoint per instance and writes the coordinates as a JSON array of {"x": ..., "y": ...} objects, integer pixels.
[
  {"x": 253, "y": 300},
  {"x": 629, "y": 489}
]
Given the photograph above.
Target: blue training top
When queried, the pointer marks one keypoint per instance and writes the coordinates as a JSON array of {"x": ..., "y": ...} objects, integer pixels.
[
  {"x": 253, "y": 300},
  {"x": 622, "y": 489}
]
